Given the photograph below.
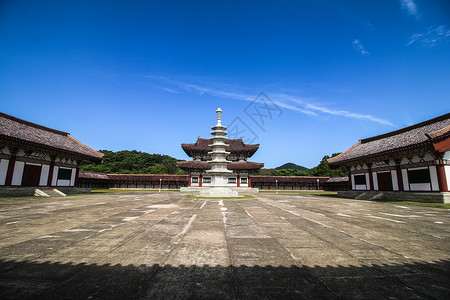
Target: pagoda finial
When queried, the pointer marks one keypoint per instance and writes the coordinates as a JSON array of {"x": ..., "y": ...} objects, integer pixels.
[{"x": 219, "y": 116}]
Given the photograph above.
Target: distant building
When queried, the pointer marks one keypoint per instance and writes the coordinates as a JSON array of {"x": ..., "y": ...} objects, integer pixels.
[
  {"x": 239, "y": 154},
  {"x": 411, "y": 159},
  {"x": 32, "y": 155}
]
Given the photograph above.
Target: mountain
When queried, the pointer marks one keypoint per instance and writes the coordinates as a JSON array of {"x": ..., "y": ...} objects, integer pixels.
[{"x": 291, "y": 166}]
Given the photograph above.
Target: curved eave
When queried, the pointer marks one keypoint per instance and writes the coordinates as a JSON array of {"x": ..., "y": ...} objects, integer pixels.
[
  {"x": 371, "y": 157},
  {"x": 81, "y": 156}
]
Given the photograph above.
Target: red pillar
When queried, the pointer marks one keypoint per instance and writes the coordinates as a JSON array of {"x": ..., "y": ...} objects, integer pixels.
[
  {"x": 11, "y": 164},
  {"x": 200, "y": 180},
  {"x": 77, "y": 174},
  {"x": 238, "y": 181},
  {"x": 371, "y": 179},
  {"x": 189, "y": 180},
  {"x": 249, "y": 181},
  {"x": 399, "y": 176},
  {"x": 443, "y": 187}
]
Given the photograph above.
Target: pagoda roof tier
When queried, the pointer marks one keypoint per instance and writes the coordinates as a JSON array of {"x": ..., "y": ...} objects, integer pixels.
[
  {"x": 202, "y": 165},
  {"x": 434, "y": 133},
  {"x": 235, "y": 146},
  {"x": 20, "y": 133}
]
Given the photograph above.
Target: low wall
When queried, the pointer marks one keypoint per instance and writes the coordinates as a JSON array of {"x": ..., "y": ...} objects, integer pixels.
[
  {"x": 192, "y": 189},
  {"x": 435, "y": 197},
  {"x": 8, "y": 191}
]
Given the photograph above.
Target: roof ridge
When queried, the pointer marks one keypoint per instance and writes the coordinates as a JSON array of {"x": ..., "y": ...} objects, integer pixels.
[
  {"x": 32, "y": 124},
  {"x": 85, "y": 147},
  {"x": 405, "y": 129}
]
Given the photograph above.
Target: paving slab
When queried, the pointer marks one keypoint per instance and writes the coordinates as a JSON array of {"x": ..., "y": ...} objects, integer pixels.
[{"x": 274, "y": 246}]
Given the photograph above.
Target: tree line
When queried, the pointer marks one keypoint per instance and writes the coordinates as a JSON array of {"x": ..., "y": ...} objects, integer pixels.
[{"x": 137, "y": 162}]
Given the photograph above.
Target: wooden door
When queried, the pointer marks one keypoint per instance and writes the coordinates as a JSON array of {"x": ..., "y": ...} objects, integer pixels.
[
  {"x": 384, "y": 181},
  {"x": 31, "y": 175}
]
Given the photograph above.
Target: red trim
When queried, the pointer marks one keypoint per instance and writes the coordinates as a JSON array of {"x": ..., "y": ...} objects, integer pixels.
[
  {"x": 443, "y": 187},
  {"x": 399, "y": 177},
  {"x": 9, "y": 173},
  {"x": 371, "y": 188}
]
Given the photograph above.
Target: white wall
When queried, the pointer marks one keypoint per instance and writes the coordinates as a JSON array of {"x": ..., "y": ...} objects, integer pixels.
[
  {"x": 44, "y": 175},
  {"x": 3, "y": 170},
  {"x": 353, "y": 182},
  {"x": 72, "y": 177},
  {"x": 55, "y": 175},
  {"x": 405, "y": 180},
  {"x": 18, "y": 173},
  {"x": 447, "y": 174},
  {"x": 375, "y": 181},
  {"x": 368, "y": 181},
  {"x": 434, "y": 179},
  {"x": 394, "y": 180}
]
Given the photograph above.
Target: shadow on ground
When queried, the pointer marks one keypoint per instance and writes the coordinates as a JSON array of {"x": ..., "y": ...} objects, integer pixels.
[{"x": 49, "y": 280}]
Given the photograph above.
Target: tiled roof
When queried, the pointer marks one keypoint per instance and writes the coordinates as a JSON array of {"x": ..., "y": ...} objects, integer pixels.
[
  {"x": 202, "y": 165},
  {"x": 421, "y": 135},
  {"x": 148, "y": 177},
  {"x": 288, "y": 179},
  {"x": 246, "y": 165},
  {"x": 92, "y": 175},
  {"x": 235, "y": 146},
  {"x": 338, "y": 179},
  {"x": 17, "y": 130},
  {"x": 192, "y": 164}
]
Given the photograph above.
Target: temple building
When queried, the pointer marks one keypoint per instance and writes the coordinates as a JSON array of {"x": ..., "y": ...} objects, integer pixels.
[
  {"x": 240, "y": 166},
  {"x": 413, "y": 159},
  {"x": 32, "y": 155}
]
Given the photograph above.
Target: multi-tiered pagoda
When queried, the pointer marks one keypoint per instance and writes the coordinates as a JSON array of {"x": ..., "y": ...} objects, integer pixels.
[{"x": 214, "y": 165}]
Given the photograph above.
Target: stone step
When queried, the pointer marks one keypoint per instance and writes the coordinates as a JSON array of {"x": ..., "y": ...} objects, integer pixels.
[{"x": 48, "y": 192}]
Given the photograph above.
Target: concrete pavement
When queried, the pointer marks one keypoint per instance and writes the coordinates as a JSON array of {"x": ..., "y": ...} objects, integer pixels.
[{"x": 160, "y": 245}]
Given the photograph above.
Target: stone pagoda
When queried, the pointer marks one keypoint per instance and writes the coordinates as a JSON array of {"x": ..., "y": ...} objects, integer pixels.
[
  {"x": 219, "y": 172},
  {"x": 219, "y": 167}
]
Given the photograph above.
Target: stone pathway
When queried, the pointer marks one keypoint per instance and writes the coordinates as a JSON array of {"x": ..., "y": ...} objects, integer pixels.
[{"x": 159, "y": 245}]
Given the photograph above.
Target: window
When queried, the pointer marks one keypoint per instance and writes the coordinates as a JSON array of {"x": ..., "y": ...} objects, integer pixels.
[
  {"x": 231, "y": 180},
  {"x": 207, "y": 180},
  {"x": 194, "y": 179},
  {"x": 419, "y": 176},
  {"x": 243, "y": 180},
  {"x": 64, "y": 174},
  {"x": 360, "y": 179}
]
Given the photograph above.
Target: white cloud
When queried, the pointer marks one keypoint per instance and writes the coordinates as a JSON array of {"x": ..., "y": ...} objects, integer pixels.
[
  {"x": 359, "y": 47},
  {"x": 286, "y": 101},
  {"x": 430, "y": 38},
  {"x": 409, "y": 6}
]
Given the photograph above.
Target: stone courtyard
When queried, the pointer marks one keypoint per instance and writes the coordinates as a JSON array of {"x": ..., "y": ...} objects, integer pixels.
[{"x": 274, "y": 246}]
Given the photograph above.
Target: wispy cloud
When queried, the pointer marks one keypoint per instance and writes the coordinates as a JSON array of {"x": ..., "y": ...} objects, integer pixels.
[
  {"x": 360, "y": 48},
  {"x": 410, "y": 7},
  {"x": 430, "y": 38},
  {"x": 302, "y": 105}
]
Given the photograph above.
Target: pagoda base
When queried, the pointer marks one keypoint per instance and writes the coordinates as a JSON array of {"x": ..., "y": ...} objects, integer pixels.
[
  {"x": 218, "y": 192},
  {"x": 205, "y": 190}
]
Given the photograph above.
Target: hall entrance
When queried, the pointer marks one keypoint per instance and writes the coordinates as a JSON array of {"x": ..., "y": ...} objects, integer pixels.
[
  {"x": 384, "y": 181},
  {"x": 31, "y": 175}
]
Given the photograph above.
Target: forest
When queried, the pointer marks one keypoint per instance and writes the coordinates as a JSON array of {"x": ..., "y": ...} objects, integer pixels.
[{"x": 137, "y": 162}]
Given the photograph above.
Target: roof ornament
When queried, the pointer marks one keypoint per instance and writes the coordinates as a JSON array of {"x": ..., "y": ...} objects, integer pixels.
[{"x": 219, "y": 116}]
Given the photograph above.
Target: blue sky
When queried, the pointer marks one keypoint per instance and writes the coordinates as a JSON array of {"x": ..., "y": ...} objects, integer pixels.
[{"x": 302, "y": 78}]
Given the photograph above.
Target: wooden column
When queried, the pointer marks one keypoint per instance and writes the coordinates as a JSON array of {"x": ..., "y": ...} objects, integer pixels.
[
  {"x": 200, "y": 180},
  {"x": 249, "y": 182},
  {"x": 50, "y": 172},
  {"x": 371, "y": 179},
  {"x": 349, "y": 179},
  {"x": 399, "y": 175},
  {"x": 77, "y": 173},
  {"x": 238, "y": 181},
  {"x": 11, "y": 165},
  {"x": 443, "y": 187}
]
